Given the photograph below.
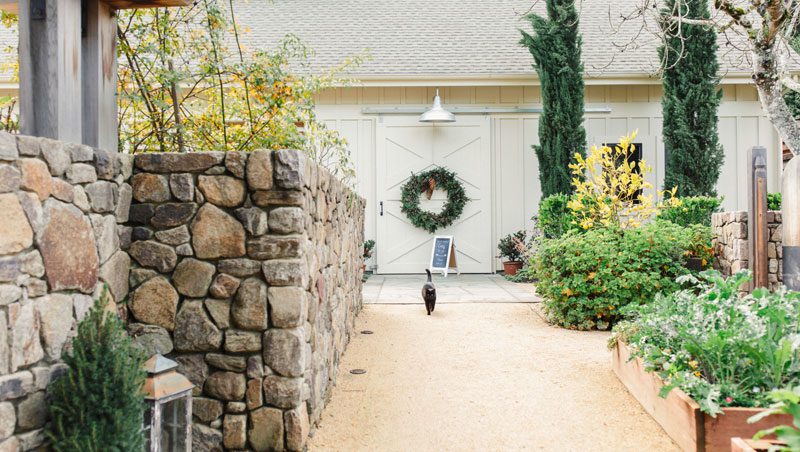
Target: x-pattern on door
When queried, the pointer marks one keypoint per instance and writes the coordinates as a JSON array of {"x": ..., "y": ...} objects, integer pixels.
[{"x": 405, "y": 146}]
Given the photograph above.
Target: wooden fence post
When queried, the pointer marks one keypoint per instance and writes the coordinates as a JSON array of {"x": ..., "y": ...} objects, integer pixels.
[
  {"x": 790, "y": 207},
  {"x": 757, "y": 233}
]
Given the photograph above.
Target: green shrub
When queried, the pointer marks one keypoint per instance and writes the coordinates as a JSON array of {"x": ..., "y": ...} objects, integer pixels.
[
  {"x": 585, "y": 278},
  {"x": 98, "y": 404},
  {"x": 512, "y": 246},
  {"x": 555, "y": 218},
  {"x": 774, "y": 201},
  {"x": 691, "y": 210},
  {"x": 720, "y": 347}
]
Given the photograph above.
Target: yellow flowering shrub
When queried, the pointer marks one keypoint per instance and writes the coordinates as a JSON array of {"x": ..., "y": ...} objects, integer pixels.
[{"x": 610, "y": 189}]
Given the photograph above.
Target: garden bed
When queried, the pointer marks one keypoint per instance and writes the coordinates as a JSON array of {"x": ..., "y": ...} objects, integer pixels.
[{"x": 680, "y": 416}]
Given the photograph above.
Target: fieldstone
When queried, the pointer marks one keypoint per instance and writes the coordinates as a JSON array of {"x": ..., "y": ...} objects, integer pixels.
[
  {"x": 17, "y": 233},
  {"x": 109, "y": 163},
  {"x": 28, "y": 146},
  {"x": 216, "y": 234},
  {"x": 33, "y": 210},
  {"x": 148, "y": 187},
  {"x": 9, "y": 293},
  {"x": 140, "y": 233},
  {"x": 178, "y": 163},
  {"x": 194, "y": 331},
  {"x": 224, "y": 286},
  {"x": 182, "y": 186},
  {"x": 125, "y": 234},
  {"x": 33, "y": 411},
  {"x": 254, "y": 395},
  {"x": 73, "y": 263},
  {"x": 79, "y": 152},
  {"x": 4, "y": 349},
  {"x": 81, "y": 173},
  {"x": 9, "y": 269},
  {"x": 235, "y": 407},
  {"x": 124, "y": 197},
  {"x": 284, "y": 272},
  {"x": 254, "y": 220},
  {"x": 140, "y": 275},
  {"x": 115, "y": 273},
  {"x": 283, "y": 392},
  {"x": 8, "y": 420},
  {"x": 35, "y": 177},
  {"x": 192, "y": 277},
  {"x": 278, "y": 198},
  {"x": 220, "y": 311},
  {"x": 259, "y": 170},
  {"x": 105, "y": 232},
  {"x": 184, "y": 250},
  {"x": 25, "y": 346},
  {"x": 11, "y": 444},
  {"x": 284, "y": 351},
  {"x": 141, "y": 213},
  {"x": 206, "y": 439},
  {"x": 269, "y": 247},
  {"x": 194, "y": 368},
  {"x": 151, "y": 339},
  {"x": 35, "y": 287},
  {"x": 297, "y": 428},
  {"x": 155, "y": 302},
  {"x": 265, "y": 432},
  {"x": 225, "y": 385},
  {"x": 174, "y": 236},
  {"x": 81, "y": 304},
  {"x": 56, "y": 157},
  {"x": 31, "y": 440},
  {"x": 62, "y": 190},
  {"x": 223, "y": 191},
  {"x": 240, "y": 268},
  {"x": 287, "y": 306},
  {"x": 55, "y": 316},
  {"x": 205, "y": 409},
  {"x": 10, "y": 178},
  {"x": 249, "y": 309},
  {"x": 16, "y": 385},
  {"x": 242, "y": 341},
  {"x": 152, "y": 254},
  {"x": 8, "y": 147},
  {"x": 102, "y": 196},
  {"x": 172, "y": 214},
  {"x": 31, "y": 263},
  {"x": 289, "y": 169},
  {"x": 255, "y": 367},
  {"x": 226, "y": 362},
  {"x": 287, "y": 220},
  {"x": 234, "y": 431},
  {"x": 43, "y": 375},
  {"x": 235, "y": 162},
  {"x": 80, "y": 198}
]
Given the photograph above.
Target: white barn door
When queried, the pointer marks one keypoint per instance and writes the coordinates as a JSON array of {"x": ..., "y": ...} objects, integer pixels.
[{"x": 405, "y": 145}]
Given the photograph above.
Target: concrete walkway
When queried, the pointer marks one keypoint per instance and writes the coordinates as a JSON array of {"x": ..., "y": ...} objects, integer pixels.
[
  {"x": 405, "y": 289},
  {"x": 478, "y": 376}
]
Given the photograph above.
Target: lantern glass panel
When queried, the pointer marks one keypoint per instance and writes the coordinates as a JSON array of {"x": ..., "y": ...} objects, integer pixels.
[
  {"x": 147, "y": 427},
  {"x": 173, "y": 425}
]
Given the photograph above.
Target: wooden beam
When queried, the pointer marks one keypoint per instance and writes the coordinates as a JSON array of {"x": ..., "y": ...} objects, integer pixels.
[
  {"x": 136, "y": 4},
  {"x": 757, "y": 233},
  {"x": 99, "y": 84}
]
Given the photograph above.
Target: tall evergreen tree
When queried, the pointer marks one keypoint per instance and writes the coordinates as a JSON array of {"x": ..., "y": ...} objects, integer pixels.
[
  {"x": 556, "y": 48},
  {"x": 694, "y": 155}
]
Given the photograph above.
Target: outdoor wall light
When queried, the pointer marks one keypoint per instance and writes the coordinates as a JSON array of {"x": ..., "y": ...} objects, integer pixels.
[
  {"x": 436, "y": 113},
  {"x": 168, "y": 417}
]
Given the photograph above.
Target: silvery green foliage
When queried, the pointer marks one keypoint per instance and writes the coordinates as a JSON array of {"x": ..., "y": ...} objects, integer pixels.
[{"x": 719, "y": 346}]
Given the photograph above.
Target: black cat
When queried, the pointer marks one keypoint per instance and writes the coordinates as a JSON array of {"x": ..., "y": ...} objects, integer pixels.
[{"x": 429, "y": 293}]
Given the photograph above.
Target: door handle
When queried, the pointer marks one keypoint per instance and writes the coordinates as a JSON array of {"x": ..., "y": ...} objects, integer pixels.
[{"x": 381, "y": 205}]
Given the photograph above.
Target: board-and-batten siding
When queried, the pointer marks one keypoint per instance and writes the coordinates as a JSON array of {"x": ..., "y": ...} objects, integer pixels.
[{"x": 514, "y": 165}]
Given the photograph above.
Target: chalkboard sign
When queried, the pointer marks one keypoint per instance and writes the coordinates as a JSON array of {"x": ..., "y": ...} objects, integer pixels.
[{"x": 443, "y": 254}]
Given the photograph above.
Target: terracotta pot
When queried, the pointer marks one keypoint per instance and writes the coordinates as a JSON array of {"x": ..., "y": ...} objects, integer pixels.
[{"x": 511, "y": 268}]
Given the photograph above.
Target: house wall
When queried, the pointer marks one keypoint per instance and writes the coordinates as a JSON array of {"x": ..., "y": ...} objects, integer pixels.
[{"x": 514, "y": 166}]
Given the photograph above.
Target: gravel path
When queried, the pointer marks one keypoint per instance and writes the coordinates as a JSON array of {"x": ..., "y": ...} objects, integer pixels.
[{"x": 480, "y": 377}]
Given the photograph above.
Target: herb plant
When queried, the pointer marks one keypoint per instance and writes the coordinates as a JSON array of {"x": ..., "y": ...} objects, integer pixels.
[
  {"x": 513, "y": 246},
  {"x": 691, "y": 210}
]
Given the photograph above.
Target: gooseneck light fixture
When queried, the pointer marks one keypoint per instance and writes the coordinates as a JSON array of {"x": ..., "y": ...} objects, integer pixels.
[{"x": 436, "y": 113}]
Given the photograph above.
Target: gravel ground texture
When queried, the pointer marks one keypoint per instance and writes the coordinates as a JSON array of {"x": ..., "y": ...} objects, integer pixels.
[{"x": 480, "y": 377}]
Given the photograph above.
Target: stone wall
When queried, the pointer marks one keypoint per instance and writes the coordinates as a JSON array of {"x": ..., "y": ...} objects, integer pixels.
[
  {"x": 732, "y": 248},
  {"x": 247, "y": 272},
  {"x": 62, "y": 208}
]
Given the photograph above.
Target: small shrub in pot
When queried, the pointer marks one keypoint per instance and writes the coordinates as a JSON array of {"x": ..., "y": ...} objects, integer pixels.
[{"x": 511, "y": 248}]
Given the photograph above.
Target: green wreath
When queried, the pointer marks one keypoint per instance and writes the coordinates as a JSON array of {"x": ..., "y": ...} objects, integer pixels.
[{"x": 427, "y": 182}]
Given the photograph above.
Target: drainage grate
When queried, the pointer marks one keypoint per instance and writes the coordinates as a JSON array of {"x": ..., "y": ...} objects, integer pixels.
[{"x": 358, "y": 371}]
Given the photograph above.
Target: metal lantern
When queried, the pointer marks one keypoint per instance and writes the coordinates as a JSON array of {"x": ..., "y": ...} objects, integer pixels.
[
  {"x": 168, "y": 418},
  {"x": 436, "y": 113}
]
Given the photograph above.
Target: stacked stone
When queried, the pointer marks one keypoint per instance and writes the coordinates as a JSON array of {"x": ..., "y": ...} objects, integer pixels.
[
  {"x": 248, "y": 275},
  {"x": 732, "y": 247},
  {"x": 62, "y": 207}
]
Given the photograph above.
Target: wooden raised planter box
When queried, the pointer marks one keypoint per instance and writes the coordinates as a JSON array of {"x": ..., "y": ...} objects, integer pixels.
[{"x": 680, "y": 416}]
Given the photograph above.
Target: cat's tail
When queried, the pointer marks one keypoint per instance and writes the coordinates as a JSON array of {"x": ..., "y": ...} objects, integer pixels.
[{"x": 430, "y": 278}]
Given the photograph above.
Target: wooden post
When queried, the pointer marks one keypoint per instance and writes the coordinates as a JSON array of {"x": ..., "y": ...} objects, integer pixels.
[
  {"x": 757, "y": 233},
  {"x": 790, "y": 207},
  {"x": 99, "y": 93}
]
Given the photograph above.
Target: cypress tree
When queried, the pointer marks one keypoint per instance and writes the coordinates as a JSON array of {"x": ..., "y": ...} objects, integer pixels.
[
  {"x": 694, "y": 155},
  {"x": 98, "y": 403},
  {"x": 556, "y": 48}
]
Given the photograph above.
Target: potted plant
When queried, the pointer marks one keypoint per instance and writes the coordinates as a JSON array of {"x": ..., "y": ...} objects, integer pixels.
[
  {"x": 369, "y": 247},
  {"x": 511, "y": 248}
]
